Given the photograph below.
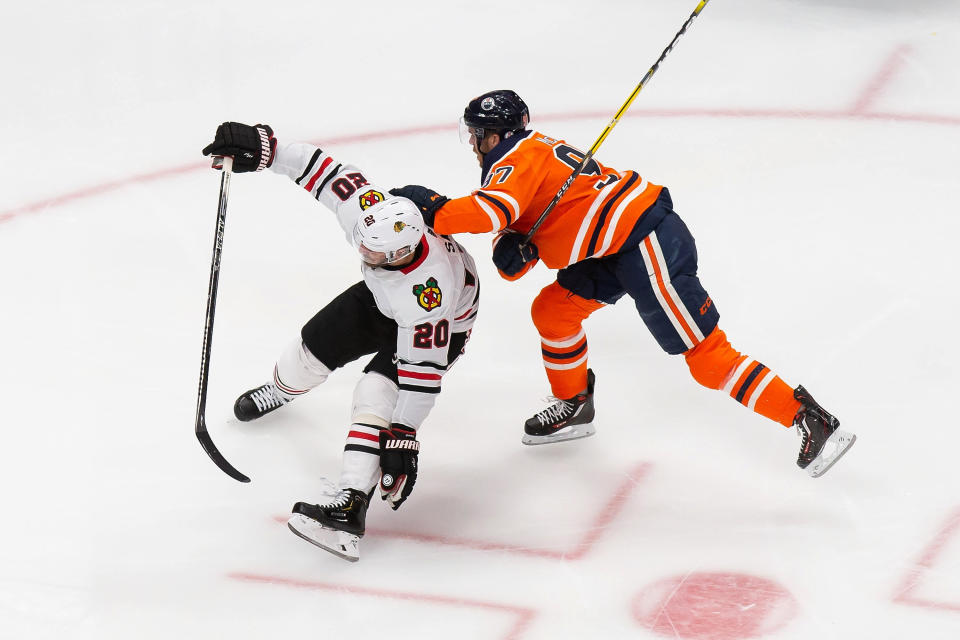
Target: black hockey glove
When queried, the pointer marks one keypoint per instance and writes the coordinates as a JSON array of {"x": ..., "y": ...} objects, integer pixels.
[
  {"x": 398, "y": 463},
  {"x": 426, "y": 199},
  {"x": 510, "y": 256},
  {"x": 251, "y": 148}
]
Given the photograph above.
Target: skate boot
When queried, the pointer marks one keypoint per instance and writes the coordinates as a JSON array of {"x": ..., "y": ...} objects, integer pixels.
[
  {"x": 257, "y": 402},
  {"x": 564, "y": 419},
  {"x": 823, "y": 443},
  {"x": 335, "y": 525}
]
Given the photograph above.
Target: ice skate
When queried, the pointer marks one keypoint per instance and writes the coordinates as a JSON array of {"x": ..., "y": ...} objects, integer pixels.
[
  {"x": 258, "y": 402},
  {"x": 336, "y": 525},
  {"x": 823, "y": 441},
  {"x": 564, "y": 419}
]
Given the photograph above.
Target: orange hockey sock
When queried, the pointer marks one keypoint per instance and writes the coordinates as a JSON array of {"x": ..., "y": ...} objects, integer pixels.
[
  {"x": 558, "y": 315},
  {"x": 717, "y": 365}
]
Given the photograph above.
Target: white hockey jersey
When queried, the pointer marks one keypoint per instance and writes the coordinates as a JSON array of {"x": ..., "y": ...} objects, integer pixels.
[{"x": 430, "y": 299}]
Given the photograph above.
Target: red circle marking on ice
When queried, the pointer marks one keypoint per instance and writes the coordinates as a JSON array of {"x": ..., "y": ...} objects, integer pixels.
[{"x": 714, "y": 606}]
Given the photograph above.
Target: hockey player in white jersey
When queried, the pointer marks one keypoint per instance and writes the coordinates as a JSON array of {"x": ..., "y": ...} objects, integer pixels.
[{"x": 413, "y": 311}]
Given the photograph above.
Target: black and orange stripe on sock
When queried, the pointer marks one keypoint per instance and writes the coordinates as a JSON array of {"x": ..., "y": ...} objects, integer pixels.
[{"x": 564, "y": 356}]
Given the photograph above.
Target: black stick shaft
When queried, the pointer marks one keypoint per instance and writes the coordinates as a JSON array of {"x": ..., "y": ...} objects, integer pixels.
[{"x": 200, "y": 426}]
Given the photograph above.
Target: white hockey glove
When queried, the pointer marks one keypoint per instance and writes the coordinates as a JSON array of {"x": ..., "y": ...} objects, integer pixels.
[{"x": 398, "y": 463}]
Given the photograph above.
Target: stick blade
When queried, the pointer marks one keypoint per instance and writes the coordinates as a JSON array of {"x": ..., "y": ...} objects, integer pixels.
[{"x": 207, "y": 443}]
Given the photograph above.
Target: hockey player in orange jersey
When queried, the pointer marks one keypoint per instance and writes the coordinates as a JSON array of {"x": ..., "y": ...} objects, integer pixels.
[{"x": 612, "y": 233}]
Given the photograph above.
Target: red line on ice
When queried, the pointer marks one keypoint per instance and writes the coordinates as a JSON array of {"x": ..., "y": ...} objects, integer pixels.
[
  {"x": 857, "y": 112},
  {"x": 882, "y": 78},
  {"x": 599, "y": 524},
  {"x": 523, "y": 615},
  {"x": 924, "y": 564}
]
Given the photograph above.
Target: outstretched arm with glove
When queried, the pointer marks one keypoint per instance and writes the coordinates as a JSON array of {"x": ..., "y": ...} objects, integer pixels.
[{"x": 341, "y": 188}]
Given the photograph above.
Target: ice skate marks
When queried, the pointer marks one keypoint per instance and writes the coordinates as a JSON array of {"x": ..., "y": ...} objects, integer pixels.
[
  {"x": 339, "y": 543},
  {"x": 837, "y": 445}
]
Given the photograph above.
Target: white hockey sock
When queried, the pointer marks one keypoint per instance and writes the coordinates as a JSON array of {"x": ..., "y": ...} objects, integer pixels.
[
  {"x": 361, "y": 457},
  {"x": 374, "y": 398},
  {"x": 297, "y": 371}
]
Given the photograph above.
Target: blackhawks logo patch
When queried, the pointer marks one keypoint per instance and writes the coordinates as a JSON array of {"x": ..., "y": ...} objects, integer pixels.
[
  {"x": 429, "y": 294},
  {"x": 369, "y": 199}
]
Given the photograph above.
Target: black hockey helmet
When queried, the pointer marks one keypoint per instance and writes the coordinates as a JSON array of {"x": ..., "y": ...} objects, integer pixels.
[{"x": 500, "y": 111}]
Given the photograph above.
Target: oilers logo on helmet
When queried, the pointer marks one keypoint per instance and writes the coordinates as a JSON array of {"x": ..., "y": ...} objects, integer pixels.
[{"x": 496, "y": 111}]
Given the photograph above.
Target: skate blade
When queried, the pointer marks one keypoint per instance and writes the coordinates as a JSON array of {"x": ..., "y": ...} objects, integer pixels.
[
  {"x": 339, "y": 543},
  {"x": 837, "y": 445},
  {"x": 567, "y": 433}
]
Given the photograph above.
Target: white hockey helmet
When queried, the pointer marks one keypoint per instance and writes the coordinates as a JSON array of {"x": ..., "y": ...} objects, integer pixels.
[{"x": 388, "y": 231}]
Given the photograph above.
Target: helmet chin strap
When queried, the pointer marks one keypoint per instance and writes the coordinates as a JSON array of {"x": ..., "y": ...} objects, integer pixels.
[
  {"x": 503, "y": 136},
  {"x": 479, "y": 152}
]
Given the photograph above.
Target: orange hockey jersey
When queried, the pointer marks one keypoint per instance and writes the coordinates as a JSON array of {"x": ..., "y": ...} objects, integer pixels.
[{"x": 522, "y": 175}]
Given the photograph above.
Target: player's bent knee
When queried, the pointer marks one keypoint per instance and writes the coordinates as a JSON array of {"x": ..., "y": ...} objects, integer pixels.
[
  {"x": 374, "y": 399},
  {"x": 298, "y": 370},
  {"x": 712, "y": 360},
  {"x": 558, "y": 313},
  {"x": 540, "y": 309}
]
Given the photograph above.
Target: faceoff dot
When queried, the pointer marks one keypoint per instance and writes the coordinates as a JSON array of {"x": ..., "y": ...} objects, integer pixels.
[{"x": 714, "y": 606}]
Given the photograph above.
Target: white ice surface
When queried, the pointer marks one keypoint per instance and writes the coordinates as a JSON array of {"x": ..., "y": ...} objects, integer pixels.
[{"x": 811, "y": 146}]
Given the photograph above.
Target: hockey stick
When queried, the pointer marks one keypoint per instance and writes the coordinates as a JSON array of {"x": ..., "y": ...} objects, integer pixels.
[
  {"x": 613, "y": 123},
  {"x": 201, "y": 424}
]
